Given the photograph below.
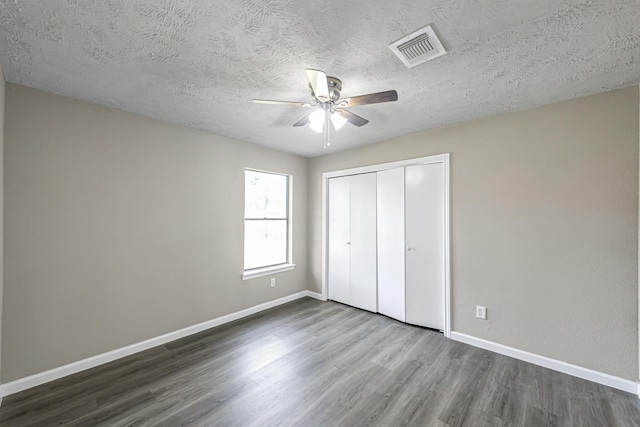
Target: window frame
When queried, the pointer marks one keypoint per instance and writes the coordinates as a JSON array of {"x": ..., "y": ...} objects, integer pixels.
[{"x": 249, "y": 273}]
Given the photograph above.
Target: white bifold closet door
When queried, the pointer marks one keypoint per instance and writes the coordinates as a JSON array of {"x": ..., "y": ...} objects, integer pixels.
[
  {"x": 425, "y": 245},
  {"x": 411, "y": 264},
  {"x": 338, "y": 245},
  {"x": 391, "y": 245},
  {"x": 352, "y": 240}
]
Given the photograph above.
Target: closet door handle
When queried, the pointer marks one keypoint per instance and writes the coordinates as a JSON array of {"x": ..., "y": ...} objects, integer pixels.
[
  {"x": 408, "y": 249},
  {"x": 348, "y": 243}
]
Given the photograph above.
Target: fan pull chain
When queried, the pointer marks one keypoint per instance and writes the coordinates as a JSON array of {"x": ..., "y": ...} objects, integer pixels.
[{"x": 327, "y": 142}]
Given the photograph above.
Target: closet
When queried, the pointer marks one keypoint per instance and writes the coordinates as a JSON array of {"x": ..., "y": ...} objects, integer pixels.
[{"x": 386, "y": 247}]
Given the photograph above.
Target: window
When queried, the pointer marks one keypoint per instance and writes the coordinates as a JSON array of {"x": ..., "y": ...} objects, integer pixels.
[{"x": 266, "y": 223}]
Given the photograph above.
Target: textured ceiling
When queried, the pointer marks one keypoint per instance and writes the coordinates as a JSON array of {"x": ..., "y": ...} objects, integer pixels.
[{"x": 200, "y": 62}]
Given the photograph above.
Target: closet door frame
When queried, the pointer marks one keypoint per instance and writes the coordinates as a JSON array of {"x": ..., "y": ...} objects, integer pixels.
[{"x": 440, "y": 158}]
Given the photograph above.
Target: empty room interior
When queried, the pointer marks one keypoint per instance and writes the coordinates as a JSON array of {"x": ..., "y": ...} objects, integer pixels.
[{"x": 279, "y": 213}]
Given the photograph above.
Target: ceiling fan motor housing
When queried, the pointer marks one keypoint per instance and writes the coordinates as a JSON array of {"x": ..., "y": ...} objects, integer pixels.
[{"x": 335, "y": 86}]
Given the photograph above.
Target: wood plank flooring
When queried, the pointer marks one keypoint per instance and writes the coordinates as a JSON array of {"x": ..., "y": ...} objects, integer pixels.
[{"x": 312, "y": 363}]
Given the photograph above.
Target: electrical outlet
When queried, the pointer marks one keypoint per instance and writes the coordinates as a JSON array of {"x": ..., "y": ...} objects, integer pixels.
[
  {"x": 273, "y": 282},
  {"x": 481, "y": 312}
]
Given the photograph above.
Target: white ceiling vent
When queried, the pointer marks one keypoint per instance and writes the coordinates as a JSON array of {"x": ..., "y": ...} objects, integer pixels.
[{"x": 418, "y": 47}]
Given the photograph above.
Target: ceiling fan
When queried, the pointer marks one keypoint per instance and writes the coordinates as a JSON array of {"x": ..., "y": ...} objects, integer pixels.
[{"x": 325, "y": 93}]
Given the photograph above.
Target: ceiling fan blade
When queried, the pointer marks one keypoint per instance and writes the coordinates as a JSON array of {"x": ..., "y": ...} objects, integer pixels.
[
  {"x": 352, "y": 118},
  {"x": 318, "y": 80},
  {"x": 272, "y": 102},
  {"x": 303, "y": 121},
  {"x": 372, "y": 98}
]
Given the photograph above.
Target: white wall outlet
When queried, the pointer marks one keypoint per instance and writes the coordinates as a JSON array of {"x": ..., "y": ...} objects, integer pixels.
[
  {"x": 481, "y": 312},
  {"x": 273, "y": 282}
]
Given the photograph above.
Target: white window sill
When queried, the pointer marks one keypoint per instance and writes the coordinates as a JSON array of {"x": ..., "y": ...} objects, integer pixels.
[{"x": 258, "y": 272}]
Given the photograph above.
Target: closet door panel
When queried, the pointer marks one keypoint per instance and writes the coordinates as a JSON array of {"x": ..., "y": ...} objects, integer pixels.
[
  {"x": 424, "y": 216},
  {"x": 363, "y": 242},
  {"x": 391, "y": 243},
  {"x": 338, "y": 245}
]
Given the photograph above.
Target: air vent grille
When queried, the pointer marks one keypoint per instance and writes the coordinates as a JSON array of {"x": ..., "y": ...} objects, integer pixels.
[{"x": 418, "y": 47}]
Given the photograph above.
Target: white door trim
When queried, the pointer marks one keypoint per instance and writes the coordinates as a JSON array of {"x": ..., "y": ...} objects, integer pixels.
[{"x": 440, "y": 158}]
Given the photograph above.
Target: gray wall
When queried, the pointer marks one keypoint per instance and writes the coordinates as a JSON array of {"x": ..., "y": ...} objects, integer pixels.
[
  {"x": 544, "y": 226},
  {"x": 120, "y": 228}
]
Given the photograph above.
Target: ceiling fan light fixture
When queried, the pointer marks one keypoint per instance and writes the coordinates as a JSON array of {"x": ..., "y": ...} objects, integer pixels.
[
  {"x": 337, "y": 120},
  {"x": 316, "y": 120},
  {"x": 325, "y": 93}
]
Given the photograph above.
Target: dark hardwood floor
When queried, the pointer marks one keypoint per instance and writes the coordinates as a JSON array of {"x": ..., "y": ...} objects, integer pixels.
[{"x": 312, "y": 363}]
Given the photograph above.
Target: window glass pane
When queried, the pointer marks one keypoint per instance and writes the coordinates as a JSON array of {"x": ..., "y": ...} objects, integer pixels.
[
  {"x": 265, "y": 195},
  {"x": 265, "y": 243}
]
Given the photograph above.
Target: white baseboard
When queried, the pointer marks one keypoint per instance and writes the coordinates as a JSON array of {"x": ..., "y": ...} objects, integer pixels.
[
  {"x": 316, "y": 295},
  {"x": 556, "y": 365},
  {"x": 100, "y": 359}
]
